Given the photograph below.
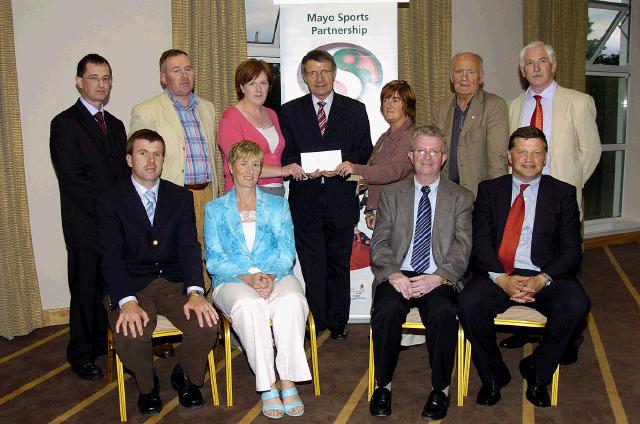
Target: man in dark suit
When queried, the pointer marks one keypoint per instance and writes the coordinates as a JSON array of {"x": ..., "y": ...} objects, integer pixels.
[
  {"x": 151, "y": 260},
  {"x": 87, "y": 150},
  {"x": 324, "y": 206},
  {"x": 526, "y": 251},
  {"x": 414, "y": 270}
]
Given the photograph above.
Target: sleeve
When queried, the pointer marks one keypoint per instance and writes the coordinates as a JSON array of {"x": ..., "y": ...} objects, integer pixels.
[
  {"x": 497, "y": 136},
  {"x": 189, "y": 250},
  {"x": 219, "y": 264},
  {"x": 68, "y": 164},
  {"x": 139, "y": 120},
  {"x": 291, "y": 152},
  {"x": 229, "y": 133},
  {"x": 396, "y": 168},
  {"x": 383, "y": 262},
  {"x": 362, "y": 145},
  {"x": 280, "y": 262},
  {"x": 484, "y": 254},
  {"x": 456, "y": 260},
  {"x": 589, "y": 146}
]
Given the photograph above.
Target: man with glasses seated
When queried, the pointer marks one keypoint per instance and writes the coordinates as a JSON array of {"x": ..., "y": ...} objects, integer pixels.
[{"x": 412, "y": 270}]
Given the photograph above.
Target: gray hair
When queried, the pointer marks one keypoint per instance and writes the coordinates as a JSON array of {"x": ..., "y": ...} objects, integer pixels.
[
  {"x": 475, "y": 55},
  {"x": 547, "y": 48},
  {"x": 429, "y": 131}
]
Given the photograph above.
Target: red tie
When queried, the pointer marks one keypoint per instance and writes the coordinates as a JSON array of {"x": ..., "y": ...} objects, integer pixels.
[
  {"x": 511, "y": 236},
  {"x": 536, "y": 117},
  {"x": 103, "y": 125},
  {"x": 322, "y": 117}
]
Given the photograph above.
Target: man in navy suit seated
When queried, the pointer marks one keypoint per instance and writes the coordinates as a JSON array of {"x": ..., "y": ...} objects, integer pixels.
[{"x": 152, "y": 264}]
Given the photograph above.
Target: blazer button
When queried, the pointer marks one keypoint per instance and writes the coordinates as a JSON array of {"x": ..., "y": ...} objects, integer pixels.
[{"x": 155, "y": 242}]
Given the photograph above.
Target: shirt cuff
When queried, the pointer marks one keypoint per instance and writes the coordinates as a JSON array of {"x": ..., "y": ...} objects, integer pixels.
[
  {"x": 494, "y": 276},
  {"x": 127, "y": 299},
  {"x": 195, "y": 288}
]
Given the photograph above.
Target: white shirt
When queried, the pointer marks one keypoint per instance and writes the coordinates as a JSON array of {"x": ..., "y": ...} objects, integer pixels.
[
  {"x": 547, "y": 113},
  {"x": 92, "y": 110},
  {"x": 141, "y": 190},
  {"x": 328, "y": 100},
  {"x": 417, "y": 195},
  {"x": 523, "y": 251}
]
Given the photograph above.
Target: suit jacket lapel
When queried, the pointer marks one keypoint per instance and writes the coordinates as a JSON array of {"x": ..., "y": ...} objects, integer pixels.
[
  {"x": 137, "y": 208},
  {"x": 504, "y": 206},
  {"x": 171, "y": 116},
  {"x": 442, "y": 217},
  {"x": 559, "y": 112},
  {"x": 90, "y": 125},
  {"x": 406, "y": 201},
  {"x": 261, "y": 217},
  {"x": 335, "y": 114},
  {"x": 232, "y": 217},
  {"x": 475, "y": 110}
]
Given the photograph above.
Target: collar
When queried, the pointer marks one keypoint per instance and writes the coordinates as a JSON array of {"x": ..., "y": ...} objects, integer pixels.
[
  {"x": 141, "y": 190},
  {"x": 328, "y": 100},
  {"x": 547, "y": 93},
  {"x": 533, "y": 183},
  {"x": 433, "y": 186},
  {"x": 193, "y": 101},
  {"x": 91, "y": 108}
]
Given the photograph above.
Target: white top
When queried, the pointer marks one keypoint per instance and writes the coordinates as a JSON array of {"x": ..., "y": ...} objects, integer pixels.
[
  {"x": 248, "y": 220},
  {"x": 272, "y": 137}
]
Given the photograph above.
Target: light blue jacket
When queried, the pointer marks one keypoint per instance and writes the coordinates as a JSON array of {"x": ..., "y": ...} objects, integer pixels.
[{"x": 226, "y": 251}]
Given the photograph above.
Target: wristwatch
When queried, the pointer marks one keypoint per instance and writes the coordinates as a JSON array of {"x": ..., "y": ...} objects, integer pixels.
[
  {"x": 195, "y": 293},
  {"x": 445, "y": 282},
  {"x": 547, "y": 279}
]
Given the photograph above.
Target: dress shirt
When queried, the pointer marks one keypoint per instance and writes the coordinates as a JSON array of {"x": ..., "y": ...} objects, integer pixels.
[
  {"x": 459, "y": 116},
  {"x": 141, "y": 190},
  {"x": 523, "y": 252},
  {"x": 417, "y": 195},
  {"x": 327, "y": 107},
  {"x": 547, "y": 114},
  {"x": 91, "y": 108},
  {"x": 196, "y": 166}
]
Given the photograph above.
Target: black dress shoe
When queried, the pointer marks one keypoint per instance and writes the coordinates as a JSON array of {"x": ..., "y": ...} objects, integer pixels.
[
  {"x": 150, "y": 403},
  {"x": 518, "y": 340},
  {"x": 339, "y": 333},
  {"x": 537, "y": 392},
  {"x": 489, "y": 393},
  {"x": 188, "y": 393},
  {"x": 164, "y": 350},
  {"x": 436, "y": 406},
  {"x": 380, "y": 404},
  {"x": 569, "y": 356},
  {"x": 87, "y": 371}
]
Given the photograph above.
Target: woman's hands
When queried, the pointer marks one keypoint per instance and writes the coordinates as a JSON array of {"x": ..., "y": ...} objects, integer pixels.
[{"x": 262, "y": 283}]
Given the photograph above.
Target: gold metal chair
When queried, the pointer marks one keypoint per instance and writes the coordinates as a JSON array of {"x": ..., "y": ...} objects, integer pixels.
[
  {"x": 164, "y": 328},
  {"x": 516, "y": 316},
  {"x": 414, "y": 322},
  {"x": 226, "y": 326}
]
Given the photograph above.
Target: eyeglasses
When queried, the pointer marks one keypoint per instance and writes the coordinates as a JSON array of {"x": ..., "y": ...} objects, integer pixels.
[
  {"x": 434, "y": 153},
  {"x": 96, "y": 79},
  {"x": 392, "y": 100},
  {"x": 323, "y": 73}
]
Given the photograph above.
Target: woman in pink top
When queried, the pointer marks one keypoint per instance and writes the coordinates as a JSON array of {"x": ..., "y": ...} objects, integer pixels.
[{"x": 248, "y": 119}]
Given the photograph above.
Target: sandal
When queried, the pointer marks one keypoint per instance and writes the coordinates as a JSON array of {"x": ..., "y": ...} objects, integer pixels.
[
  {"x": 292, "y": 391},
  {"x": 273, "y": 393}
]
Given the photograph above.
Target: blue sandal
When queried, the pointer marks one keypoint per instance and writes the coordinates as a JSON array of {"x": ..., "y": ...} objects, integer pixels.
[
  {"x": 292, "y": 391},
  {"x": 273, "y": 393}
]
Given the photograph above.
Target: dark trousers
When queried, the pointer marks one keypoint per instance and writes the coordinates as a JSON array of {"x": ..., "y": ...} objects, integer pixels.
[
  {"x": 165, "y": 298},
  {"x": 324, "y": 251},
  {"x": 564, "y": 303},
  {"x": 87, "y": 319},
  {"x": 438, "y": 314}
]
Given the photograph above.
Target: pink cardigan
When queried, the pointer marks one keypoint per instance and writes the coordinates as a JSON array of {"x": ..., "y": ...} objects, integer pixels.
[{"x": 233, "y": 128}]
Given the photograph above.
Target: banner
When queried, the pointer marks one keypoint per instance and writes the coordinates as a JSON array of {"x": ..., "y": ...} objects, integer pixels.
[{"x": 362, "y": 37}]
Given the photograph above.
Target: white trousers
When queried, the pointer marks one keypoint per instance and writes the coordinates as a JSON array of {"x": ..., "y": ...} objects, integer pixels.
[{"x": 287, "y": 309}]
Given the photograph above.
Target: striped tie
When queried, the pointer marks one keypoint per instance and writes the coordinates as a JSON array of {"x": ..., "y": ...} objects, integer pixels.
[
  {"x": 322, "y": 117},
  {"x": 150, "y": 207},
  {"x": 422, "y": 234}
]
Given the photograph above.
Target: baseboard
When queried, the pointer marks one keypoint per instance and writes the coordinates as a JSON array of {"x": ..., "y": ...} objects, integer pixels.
[
  {"x": 612, "y": 239},
  {"x": 55, "y": 316}
]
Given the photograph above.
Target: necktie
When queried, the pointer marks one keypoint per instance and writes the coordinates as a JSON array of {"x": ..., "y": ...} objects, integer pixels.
[
  {"x": 536, "y": 117},
  {"x": 422, "y": 234},
  {"x": 322, "y": 117},
  {"x": 150, "y": 207},
  {"x": 100, "y": 118},
  {"x": 511, "y": 236}
]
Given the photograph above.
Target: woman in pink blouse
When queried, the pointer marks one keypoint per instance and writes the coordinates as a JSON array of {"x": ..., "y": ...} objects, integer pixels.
[
  {"x": 248, "y": 119},
  {"x": 389, "y": 161}
]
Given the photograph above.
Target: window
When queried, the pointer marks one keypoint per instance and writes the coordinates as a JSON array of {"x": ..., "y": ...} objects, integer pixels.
[{"x": 607, "y": 68}]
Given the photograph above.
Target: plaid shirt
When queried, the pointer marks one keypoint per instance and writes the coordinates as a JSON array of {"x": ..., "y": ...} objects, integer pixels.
[{"x": 196, "y": 159}]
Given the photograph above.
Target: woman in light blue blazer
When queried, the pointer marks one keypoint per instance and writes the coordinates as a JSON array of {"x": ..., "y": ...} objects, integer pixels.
[{"x": 250, "y": 252}]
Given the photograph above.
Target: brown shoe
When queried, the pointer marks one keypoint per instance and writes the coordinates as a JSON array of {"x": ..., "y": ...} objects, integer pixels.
[{"x": 164, "y": 350}]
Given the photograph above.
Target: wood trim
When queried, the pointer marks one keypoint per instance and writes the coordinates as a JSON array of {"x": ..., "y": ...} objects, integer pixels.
[
  {"x": 55, "y": 316},
  {"x": 612, "y": 239}
]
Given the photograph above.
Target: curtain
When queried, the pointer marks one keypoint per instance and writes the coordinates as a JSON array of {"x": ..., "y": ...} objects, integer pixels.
[
  {"x": 214, "y": 35},
  {"x": 20, "y": 307},
  {"x": 424, "y": 51},
  {"x": 563, "y": 24}
]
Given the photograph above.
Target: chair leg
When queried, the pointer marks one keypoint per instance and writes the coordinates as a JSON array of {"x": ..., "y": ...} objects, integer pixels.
[
  {"x": 110, "y": 350},
  {"x": 460, "y": 365},
  {"x": 467, "y": 367},
  {"x": 212, "y": 379},
  {"x": 371, "y": 366},
  {"x": 121, "y": 394},
  {"x": 227, "y": 360},
  {"x": 314, "y": 354},
  {"x": 554, "y": 387}
]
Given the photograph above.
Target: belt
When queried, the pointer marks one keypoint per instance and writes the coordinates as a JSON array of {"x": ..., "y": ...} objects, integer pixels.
[{"x": 200, "y": 186}]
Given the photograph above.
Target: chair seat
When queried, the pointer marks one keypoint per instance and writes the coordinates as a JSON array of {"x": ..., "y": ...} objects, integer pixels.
[
  {"x": 522, "y": 313},
  {"x": 413, "y": 316},
  {"x": 163, "y": 325}
]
